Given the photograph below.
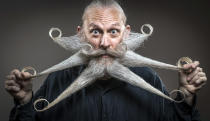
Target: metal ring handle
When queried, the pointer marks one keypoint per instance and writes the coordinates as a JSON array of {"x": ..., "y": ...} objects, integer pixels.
[
  {"x": 184, "y": 60},
  {"x": 40, "y": 100},
  {"x": 29, "y": 68},
  {"x": 148, "y": 26},
  {"x": 55, "y": 29},
  {"x": 174, "y": 91}
]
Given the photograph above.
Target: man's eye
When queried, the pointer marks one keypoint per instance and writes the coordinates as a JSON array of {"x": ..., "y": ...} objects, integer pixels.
[
  {"x": 114, "y": 31},
  {"x": 95, "y": 32}
]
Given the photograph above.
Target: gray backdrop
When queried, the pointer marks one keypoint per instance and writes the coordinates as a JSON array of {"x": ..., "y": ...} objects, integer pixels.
[{"x": 180, "y": 29}]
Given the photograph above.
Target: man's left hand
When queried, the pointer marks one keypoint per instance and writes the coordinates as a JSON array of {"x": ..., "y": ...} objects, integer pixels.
[{"x": 191, "y": 79}]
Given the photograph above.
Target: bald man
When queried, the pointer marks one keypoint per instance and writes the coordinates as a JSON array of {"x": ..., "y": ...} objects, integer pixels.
[{"x": 104, "y": 26}]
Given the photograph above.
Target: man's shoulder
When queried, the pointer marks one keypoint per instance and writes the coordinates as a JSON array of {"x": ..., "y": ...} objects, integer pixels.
[
  {"x": 150, "y": 76},
  {"x": 146, "y": 73}
]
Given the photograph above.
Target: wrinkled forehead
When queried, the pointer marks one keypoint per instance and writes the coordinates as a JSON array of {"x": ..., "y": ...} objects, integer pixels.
[{"x": 104, "y": 16}]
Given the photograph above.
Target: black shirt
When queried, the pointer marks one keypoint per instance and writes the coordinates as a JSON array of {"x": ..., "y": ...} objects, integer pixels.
[{"x": 105, "y": 100}]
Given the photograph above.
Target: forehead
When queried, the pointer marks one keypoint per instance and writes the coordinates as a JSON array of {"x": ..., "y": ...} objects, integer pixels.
[{"x": 104, "y": 15}]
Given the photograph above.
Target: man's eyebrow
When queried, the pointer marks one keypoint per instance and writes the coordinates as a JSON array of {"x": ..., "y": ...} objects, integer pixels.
[
  {"x": 96, "y": 26},
  {"x": 116, "y": 24},
  {"x": 93, "y": 25}
]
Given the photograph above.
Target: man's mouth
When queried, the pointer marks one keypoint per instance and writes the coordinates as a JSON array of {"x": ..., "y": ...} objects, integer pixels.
[{"x": 105, "y": 56}]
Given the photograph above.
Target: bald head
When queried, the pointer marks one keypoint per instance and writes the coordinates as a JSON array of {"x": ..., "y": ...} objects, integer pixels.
[{"x": 104, "y": 6}]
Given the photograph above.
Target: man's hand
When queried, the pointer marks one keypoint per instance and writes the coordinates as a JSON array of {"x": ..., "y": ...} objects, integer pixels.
[
  {"x": 19, "y": 85},
  {"x": 191, "y": 79}
]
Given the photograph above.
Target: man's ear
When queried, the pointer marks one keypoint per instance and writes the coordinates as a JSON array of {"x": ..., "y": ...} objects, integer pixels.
[
  {"x": 78, "y": 29},
  {"x": 128, "y": 30}
]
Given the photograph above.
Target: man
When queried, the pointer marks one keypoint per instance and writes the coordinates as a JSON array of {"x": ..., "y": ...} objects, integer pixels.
[{"x": 104, "y": 27}]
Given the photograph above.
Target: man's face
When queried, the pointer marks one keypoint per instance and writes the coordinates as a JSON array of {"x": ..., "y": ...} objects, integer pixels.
[{"x": 104, "y": 27}]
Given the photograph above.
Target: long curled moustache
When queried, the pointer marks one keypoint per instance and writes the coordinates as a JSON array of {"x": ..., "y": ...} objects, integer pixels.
[{"x": 116, "y": 65}]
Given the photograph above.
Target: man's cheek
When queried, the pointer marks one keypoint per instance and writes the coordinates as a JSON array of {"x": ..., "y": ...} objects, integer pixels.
[
  {"x": 95, "y": 42},
  {"x": 117, "y": 40}
]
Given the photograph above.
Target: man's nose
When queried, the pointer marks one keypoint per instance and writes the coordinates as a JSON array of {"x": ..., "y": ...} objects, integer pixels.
[{"x": 105, "y": 43}]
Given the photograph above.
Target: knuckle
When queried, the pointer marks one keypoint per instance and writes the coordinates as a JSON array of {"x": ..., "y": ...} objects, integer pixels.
[
  {"x": 198, "y": 69},
  {"x": 205, "y": 79},
  {"x": 198, "y": 81},
  {"x": 13, "y": 88},
  {"x": 200, "y": 74},
  {"x": 14, "y": 71},
  {"x": 196, "y": 63},
  {"x": 196, "y": 77},
  {"x": 201, "y": 69}
]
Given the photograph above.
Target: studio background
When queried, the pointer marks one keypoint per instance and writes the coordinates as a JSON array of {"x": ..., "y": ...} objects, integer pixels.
[{"x": 181, "y": 28}]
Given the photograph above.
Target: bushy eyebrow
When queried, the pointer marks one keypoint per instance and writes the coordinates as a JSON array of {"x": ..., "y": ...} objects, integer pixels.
[
  {"x": 96, "y": 26},
  {"x": 93, "y": 25}
]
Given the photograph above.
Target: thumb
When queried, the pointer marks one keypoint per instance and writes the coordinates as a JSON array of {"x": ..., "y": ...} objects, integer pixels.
[{"x": 26, "y": 75}]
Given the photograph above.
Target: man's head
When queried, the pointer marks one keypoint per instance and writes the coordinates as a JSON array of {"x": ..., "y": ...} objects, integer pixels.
[{"x": 104, "y": 24}]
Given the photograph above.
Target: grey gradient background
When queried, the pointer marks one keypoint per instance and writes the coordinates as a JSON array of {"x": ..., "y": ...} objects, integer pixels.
[{"x": 181, "y": 28}]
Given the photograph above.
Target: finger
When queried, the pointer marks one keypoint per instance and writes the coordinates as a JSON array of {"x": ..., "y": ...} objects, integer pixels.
[
  {"x": 12, "y": 89},
  {"x": 17, "y": 74},
  {"x": 25, "y": 84},
  {"x": 11, "y": 83},
  {"x": 187, "y": 66},
  {"x": 200, "y": 86},
  {"x": 10, "y": 77},
  {"x": 191, "y": 66},
  {"x": 14, "y": 71},
  {"x": 201, "y": 74},
  {"x": 26, "y": 75},
  {"x": 200, "y": 81},
  {"x": 195, "y": 64},
  {"x": 192, "y": 74},
  {"x": 197, "y": 77}
]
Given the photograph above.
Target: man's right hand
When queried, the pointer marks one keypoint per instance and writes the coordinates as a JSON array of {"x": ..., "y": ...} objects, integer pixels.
[{"x": 19, "y": 85}]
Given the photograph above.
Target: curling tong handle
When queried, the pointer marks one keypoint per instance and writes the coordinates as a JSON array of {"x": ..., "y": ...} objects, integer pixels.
[
  {"x": 182, "y": 61},
  {"x": 29, "y": 69}
]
